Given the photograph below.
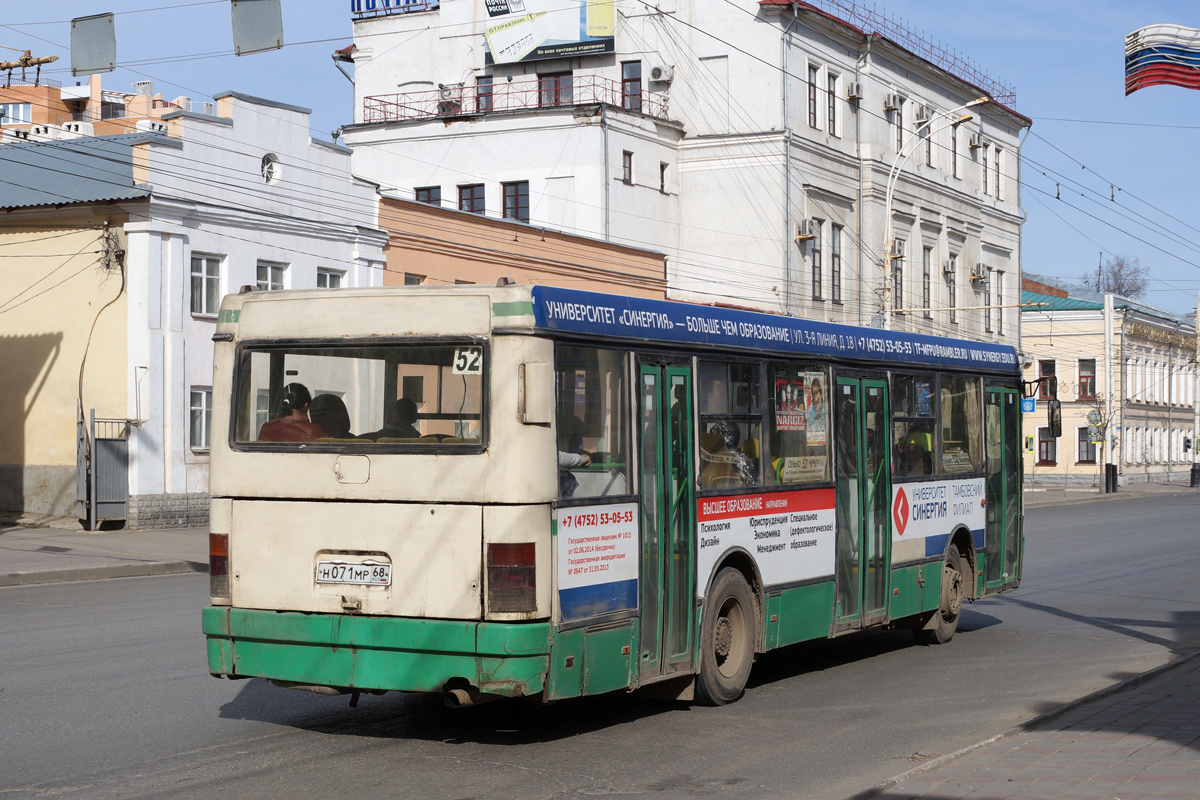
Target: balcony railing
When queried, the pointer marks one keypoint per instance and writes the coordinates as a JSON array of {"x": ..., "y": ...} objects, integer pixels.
[{"x": 547, "y": 92}]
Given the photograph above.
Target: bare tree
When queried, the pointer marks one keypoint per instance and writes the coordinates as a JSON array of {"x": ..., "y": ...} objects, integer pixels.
[{"x": 1123, "y": 275}]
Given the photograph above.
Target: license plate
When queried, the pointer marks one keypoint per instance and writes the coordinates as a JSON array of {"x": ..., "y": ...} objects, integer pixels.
[{"x": 362, "y": 573}]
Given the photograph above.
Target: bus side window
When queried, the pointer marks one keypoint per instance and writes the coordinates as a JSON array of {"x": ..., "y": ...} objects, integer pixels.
[
  {"x": 798, "y": 421},
  {"x": 730, "y": 425},
  {"x": 913, "y": 421},
  {"x": 592, "y": 422},
  {"x": 960, "y": 416}
]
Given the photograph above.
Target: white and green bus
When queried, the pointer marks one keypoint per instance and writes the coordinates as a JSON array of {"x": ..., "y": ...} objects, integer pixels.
[{"x": 528, "y": 491}]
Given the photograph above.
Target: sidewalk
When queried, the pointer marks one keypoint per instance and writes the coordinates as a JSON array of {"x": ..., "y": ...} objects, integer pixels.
[
  {"x": 1037, "y": 497},
  {"x": 1138, "y": 742},
  {"x": 53, "y": 554}
]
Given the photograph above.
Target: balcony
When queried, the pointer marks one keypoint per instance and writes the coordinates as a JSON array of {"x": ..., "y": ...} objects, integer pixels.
[{"x": 555, "y": 91}]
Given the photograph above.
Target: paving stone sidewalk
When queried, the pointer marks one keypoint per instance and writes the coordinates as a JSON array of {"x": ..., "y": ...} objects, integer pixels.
[{"x": 1135, "y": 744}]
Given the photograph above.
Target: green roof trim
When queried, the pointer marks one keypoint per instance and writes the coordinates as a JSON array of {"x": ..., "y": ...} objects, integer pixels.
[
  {"x": 1048, "y": 302},
  {"x": 521, "y": 308}
]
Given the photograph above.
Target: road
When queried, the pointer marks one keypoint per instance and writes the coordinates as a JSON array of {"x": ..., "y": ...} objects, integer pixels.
[{"x": 104, "y": 693}]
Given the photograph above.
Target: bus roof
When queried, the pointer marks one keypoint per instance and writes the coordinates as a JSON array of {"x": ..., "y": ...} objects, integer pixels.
[{"x": 621, "y": 317}]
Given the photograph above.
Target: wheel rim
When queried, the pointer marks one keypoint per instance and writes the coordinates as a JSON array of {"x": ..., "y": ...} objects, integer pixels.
[
  {"x": 952, "y": 592},
  {"x": 729, "y": 638}
]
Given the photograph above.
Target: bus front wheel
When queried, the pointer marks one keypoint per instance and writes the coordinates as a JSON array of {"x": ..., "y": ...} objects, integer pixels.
[
  {"x": 726, "y": 639},
  {"x": 941, "y": 627}
]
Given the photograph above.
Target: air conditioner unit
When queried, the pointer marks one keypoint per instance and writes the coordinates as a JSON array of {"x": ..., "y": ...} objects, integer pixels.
[
  {"x": 924, "y": 114},
  {"x": 450, "y": 98},
  {"x": 980, "y": 272},
  {"x": 854, "y": 91},
  {"x": 661, "y": 73},
  {"x": 808, "y": 229},
  {"x": 947, "y": 267},
  {"x": 975, "y": 141},
  {"x": 892, "y": 101}
]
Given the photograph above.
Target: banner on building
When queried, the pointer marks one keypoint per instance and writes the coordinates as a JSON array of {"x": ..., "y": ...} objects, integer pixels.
[{"x": 527, "y": 30}]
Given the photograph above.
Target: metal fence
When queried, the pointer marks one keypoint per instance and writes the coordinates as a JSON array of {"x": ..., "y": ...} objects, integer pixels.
[{"x": 545, "y": 92}]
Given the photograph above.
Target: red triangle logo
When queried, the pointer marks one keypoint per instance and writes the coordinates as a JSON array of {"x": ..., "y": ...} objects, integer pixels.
[{"x": 900, "y": 511}]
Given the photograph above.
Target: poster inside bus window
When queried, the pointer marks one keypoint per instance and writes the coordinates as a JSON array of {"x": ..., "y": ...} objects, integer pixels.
[
  {"x": 799, "y": 437},
  {"x": 924, "y": 397}
]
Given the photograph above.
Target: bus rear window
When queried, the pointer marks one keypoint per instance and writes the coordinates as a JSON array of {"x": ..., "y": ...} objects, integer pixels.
[{"x": 361, "y": 397}]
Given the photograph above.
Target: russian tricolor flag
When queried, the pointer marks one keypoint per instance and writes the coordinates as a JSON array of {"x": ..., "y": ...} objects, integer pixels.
[{"x": 1159, "y": 55}]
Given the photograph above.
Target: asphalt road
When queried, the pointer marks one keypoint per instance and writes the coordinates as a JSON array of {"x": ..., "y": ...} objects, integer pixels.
[{"x": 104, "y": 693}]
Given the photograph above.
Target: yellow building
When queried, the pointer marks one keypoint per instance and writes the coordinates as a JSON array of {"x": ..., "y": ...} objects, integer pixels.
[{"x": 1127, "y": 366}]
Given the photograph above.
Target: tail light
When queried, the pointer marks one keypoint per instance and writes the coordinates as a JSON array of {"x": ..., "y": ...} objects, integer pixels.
[
  {"x": 218, "y": 568},
  {"x": 511, "y": 578}
]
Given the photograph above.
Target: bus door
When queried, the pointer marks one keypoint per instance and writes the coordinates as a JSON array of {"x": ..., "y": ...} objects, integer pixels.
[
  {"x": 668, "y": 525},
  {"x": 1002, "y": 536},
  {"x": 863, "y": 496}
]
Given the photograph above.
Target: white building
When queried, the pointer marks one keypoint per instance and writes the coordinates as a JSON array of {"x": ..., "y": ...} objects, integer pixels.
[
  {"x": 200, "y": 205},
  {"x": 749, "y": 141}
]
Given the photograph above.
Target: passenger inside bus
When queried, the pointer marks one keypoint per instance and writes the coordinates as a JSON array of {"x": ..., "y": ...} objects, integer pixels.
[
  {"x": 398, "y": 422},
  {"x": 915, "y": 452},
  {"x": 291, "y": 423},
  {"x": 329, "y": 412}
]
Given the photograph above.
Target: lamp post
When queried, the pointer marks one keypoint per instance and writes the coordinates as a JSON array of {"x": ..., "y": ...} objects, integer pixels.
[{"x": 894, "y": 173}]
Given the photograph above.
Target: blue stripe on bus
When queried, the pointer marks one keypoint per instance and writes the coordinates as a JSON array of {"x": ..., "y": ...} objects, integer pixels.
[
  {"x": 936, "y": 545},
  {"x": 570, "y": 310},
  {"x": 588, "y": 601}
]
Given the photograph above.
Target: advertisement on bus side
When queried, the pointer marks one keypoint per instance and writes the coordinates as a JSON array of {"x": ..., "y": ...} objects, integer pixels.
[
  {"x": 597, "y": 560},
  {"x": 930, "y": 511},
  {"x": 790, "y": 534}
]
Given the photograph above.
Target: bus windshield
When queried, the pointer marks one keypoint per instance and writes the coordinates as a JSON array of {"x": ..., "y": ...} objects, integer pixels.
[{"x": 361, "y": 397}]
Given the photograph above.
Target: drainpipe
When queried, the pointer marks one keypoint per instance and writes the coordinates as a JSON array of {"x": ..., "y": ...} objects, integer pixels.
[
  {"x": 858, "y": 65},
  {"x": 788, "y": 236},
  {"x": 604, "y": 127}
]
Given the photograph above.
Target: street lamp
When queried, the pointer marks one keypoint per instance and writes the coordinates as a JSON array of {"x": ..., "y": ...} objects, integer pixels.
[{"x": 894, "y": 174}]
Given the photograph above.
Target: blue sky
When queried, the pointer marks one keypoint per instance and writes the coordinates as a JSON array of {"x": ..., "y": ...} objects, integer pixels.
[{"x": 1089, "y": 142}]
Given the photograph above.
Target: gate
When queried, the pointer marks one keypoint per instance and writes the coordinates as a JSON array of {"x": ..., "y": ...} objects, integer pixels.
[{"x": 102, "y": 477}]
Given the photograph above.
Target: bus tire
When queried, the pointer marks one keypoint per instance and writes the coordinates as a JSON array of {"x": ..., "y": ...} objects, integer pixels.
[
  {"x": 726, "y": 639},
  {"x": 941, "y": 627}
]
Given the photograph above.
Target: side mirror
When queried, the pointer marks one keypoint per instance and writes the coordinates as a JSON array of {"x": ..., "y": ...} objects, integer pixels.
[{"x": 1054, "y": 417}]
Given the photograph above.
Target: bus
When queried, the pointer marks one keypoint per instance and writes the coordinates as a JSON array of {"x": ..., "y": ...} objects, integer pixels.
[{"x": 520, "y": 491}]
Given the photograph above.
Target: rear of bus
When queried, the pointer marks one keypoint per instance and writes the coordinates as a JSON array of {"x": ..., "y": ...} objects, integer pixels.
[{"x": 396, "y": 533}]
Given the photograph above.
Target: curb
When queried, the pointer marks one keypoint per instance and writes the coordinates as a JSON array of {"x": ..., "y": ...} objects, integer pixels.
[
  {"x": 102, "y": 573},
  {"x": 1100, "y": 498},
  {"x": 1026, "y": 727}
]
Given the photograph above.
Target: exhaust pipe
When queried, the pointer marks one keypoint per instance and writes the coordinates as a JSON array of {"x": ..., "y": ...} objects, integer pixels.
[{"x": 470, "y": 696}]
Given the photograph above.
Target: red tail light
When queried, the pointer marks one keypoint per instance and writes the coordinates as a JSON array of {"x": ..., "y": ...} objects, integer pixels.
[
  {"x": 218, "y": 566},
  {"x": 512, "y": 577}
]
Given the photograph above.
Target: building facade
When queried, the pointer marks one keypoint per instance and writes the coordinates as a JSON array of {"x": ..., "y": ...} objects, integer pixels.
[
  {"x": 48, "y": 111},
  {"x": 1127, "y": 379},
  {"x": 119, "y": 250},
  {"x": 753, "y": 143}
]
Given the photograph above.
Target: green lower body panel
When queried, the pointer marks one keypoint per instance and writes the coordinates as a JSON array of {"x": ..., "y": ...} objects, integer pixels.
[
  {"x": 915, "y": 590},
  {"x": 805, "y": 612},
  {"x": 391, "y": 653}
]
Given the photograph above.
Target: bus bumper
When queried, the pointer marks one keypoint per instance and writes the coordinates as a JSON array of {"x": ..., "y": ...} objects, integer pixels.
[{"x": 378, "y": 653}]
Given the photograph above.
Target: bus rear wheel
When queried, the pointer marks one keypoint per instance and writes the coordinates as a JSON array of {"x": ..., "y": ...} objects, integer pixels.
[
  {"x": 726, "y": 639},
  {"x": 944, "y": 623}
]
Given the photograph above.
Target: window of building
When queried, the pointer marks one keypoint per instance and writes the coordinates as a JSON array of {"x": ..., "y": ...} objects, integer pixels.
[
  {"x": 898, "y": 247},
  {"x": 926, "y": 279},
  {"x": 813, "y": 73},
  {"x": 984, "y": 150},
  {"x": 927, "y": 134},
  {"x": 270, "y": 277},
  {"x": 1046, "y": 369},
  {"x": 1086, "y": 451},
  {"x": 470, "y": 198},
  {"x": 831, "y": 111},
  {"x": 626, "y": 166},
  {"x": 200, "y": 417},
  {"x": 730, "y": 425},
  {"x": 206, "y": 285},
  {"x": 999, "y": 196},
  {"x": 111, "y": 110},
  {"x": 662, "y": 176},
  {"x": 13, "y": 113},
  {"x": 998, "y": 280},
  {"x": 952, "y": 286},
  {"x": 329, "y": 278},
  {"x": 914, "y": 409},
  {"x": 631, "y": 85},
  {"x": 429, "y": 194},
  {"x": 987, "y": 304},
  {"x": 898, "y": 121},
  {"x": 1087, "y": 378},
  {"x": 1047, "y": 448},
  {"x": 516, "y": 200},
  {"x": 835, "y": 263},
  {"x": 593, "y": 419},
  {"x": 954, "y": 150},
  {"x": 555, "y": 90},
  {"x": 960, "y": 417},
  {"x": 413, "y": 280},
  {"x": 798, "y": 424},
  {"x": 484, "y": 98},
  {"x": 816, "y": 262}
]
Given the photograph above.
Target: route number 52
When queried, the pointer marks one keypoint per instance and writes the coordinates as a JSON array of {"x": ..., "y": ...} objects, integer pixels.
[{"x": 468, "y": 361}]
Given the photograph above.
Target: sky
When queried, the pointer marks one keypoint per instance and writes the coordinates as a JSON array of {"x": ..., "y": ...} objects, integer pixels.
[{"x": 1102, "y": 174}]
